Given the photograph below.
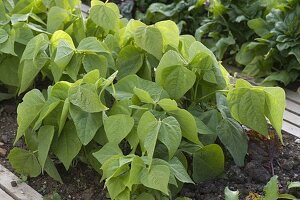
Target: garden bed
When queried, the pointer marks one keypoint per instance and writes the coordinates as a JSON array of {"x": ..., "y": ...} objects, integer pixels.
[{"x": 82, "y": 182}]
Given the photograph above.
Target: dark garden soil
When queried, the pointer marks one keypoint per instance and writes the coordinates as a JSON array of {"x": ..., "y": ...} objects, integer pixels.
[{"x": 81, "y": 182}]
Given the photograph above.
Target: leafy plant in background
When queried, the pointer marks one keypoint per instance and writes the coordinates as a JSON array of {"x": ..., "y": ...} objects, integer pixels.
[
  {"x": 229, "y": 27},
  {"x": 275, "y": 53},
  {"x": 271, "y": 191},
  {"x": 147, "y": 102}
]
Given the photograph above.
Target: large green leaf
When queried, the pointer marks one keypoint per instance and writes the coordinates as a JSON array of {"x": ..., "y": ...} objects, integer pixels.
[
  {"x": 150, "y": 39},
  {"x": 130, "y": 59},
  {"x": 24, "y": 162},
  {"x": 143, "y": 95},
  {"x": 156, "y": 178},
  {"x": 33, "y": 60},
  {"x": 87, "y": 124},
  {"x": 56, "y": 19},
  {"x": 67, "y": 145},
  {"x": 187, "y": 124},
  {"x": 170, "y": 134},
  {"x": 107, "y": 151},
  {"x": 57, "y": 37},
  {"x": 234, "y": 138},
  {"x": 247, "y": 106},
  {"x": 274, "y": 107},
  {"x": 147, "y": 125},
  {"x": 124, "y": 88},
  {"x": 28, "y": 110},
  {"x": 179, "y": 171},
  {"x": 170, "y": 33},
  {"x": 208, "y": 163},
  {"x": 117, "y": 127},
  {"x": 85, "y": 96},
  {"x": 173, "y": 76},
  {"x": 45, "y": 136},
  {"x": 105, "y": 17},
  {"x": 91, "y": 45},
  {"x": 201, "y": 57},
  {"x": 92, "y": 61},
  {"x": 9, "y": 66},
  {"x": 63, "y": 56}
]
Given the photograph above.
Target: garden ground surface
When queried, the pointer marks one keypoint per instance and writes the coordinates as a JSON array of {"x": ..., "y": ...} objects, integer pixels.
[{"x": 81, "y": 182}]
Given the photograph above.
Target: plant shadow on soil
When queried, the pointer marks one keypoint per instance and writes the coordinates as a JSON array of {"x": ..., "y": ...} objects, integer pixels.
[{"x": 83, "y": 183}]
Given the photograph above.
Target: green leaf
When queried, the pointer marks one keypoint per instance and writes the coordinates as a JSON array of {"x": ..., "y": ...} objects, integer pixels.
[
  {"x": 146, "y": 37},
  {"x": 92, "y": 61},
  {"x": 208, "y": 163},
  {"x": 24, "y": 162},
  {"x": 87, "y": 124},
  {"x": 168, "y": 104},
  {"x": 130, "y": 30},
  {"x": 124, "y": 88},
  {"x": 274, "y": 107},
  {"x": 170, "y": 135},
  {"x": 50, "y": 105},
  {"x": 130, "y": 60},
  {"x": 3, "y": 36},
  {"x": 33, "y": 60},
  {"x": 231, "y": 195},
  {"x": 60, "y": 90},
  {"x": 52, "y": 171},
  {"x": 147, "y": 131},
  {"x": 173, "y": 76},
  {"x": 91, "y": 45},
  {"x": 234, "y": 138},
  {"x": 156, "y": 178},
  {"x": 64, "y": 115},
  {"x": 247, "y": 106},
  {"x": 9, "y": 70},
  {"x": 117, "y": 127},
  {"x": 101, "y": 15},
  {"x": 271, "y": 189},
  {"x": 45, "y": 136},
  {"x": 170, "y": 33},
  {"x": 107, "y": 151},
  {"x": 211, "y": 73},
  {"x": 56, "y": 19},
  {"x": 85, "y": 96},
  {"x": 187, "y": 124},
  {"x": 121, "y": 107},
  {"x": 63, "y": 56},
  {"x": 259, "y": 26},
  {"x": 143, "y": 95},
  {"x": 137, "y": 165},
  {"x": 179, "y": 171},
  {"x": 295, "y": 184},
  {"x": 28, "y": 110},
  {"x": 67, "y": 145},
  {"x": 59, "y": 36}
]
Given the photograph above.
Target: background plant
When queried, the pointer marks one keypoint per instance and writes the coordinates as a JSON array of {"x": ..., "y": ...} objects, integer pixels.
[
  {"x": 274, "y": 53},
  {"x": 240, "y": 29}
]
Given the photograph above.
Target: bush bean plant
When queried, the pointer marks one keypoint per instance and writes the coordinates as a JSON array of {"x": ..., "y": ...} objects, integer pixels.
[{"x": 146, "y": 107}]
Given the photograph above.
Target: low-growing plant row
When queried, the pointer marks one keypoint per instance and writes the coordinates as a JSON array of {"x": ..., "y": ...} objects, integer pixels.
[
  {"x": 141, "y": 104},
  {"x": 261, "y": 35}
]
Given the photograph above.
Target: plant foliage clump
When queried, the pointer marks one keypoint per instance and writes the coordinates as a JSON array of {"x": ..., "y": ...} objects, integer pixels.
[{"x": 138, "y": 103}]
